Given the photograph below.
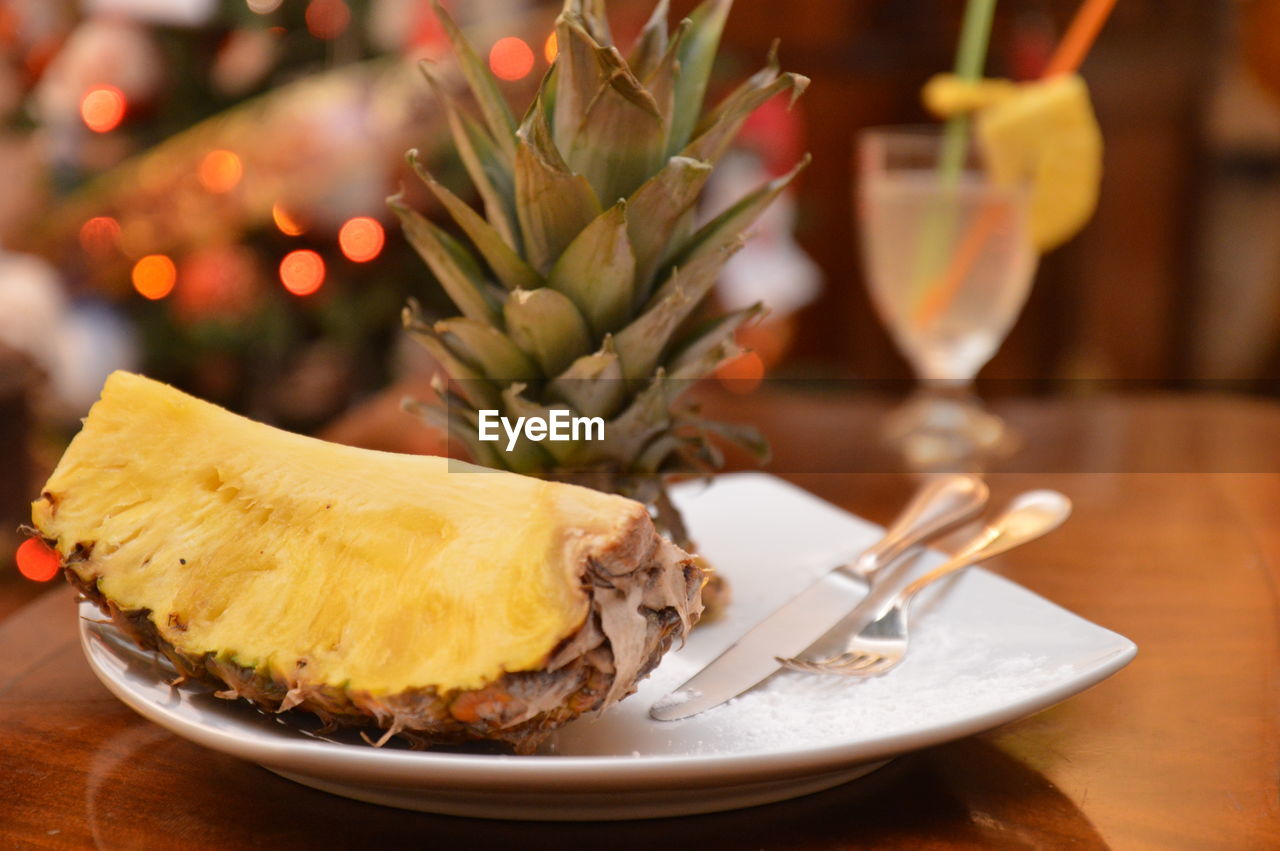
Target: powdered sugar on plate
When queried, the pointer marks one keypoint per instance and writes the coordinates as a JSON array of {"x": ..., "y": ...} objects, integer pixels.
[
  {"x": 956, "y": 668},
  {"x": 951, "y": 671}
]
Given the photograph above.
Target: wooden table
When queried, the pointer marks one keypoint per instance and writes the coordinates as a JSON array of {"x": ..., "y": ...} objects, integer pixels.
[{"x": 1179, "y": 750}]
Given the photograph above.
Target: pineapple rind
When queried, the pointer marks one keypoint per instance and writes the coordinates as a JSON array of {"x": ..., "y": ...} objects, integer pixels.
[
  {"x": 520, "y": 709},
  {"x": 457, "y": 604}
]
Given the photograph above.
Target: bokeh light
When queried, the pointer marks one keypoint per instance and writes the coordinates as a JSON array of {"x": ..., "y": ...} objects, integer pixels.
[
  {"x": 154, "y": 276},
  {"x": 361, "y": 239},
  {"x": 327, "y": 19},
  {"x": 220, "y": 171},
  {"x": 100, "y": 235},
  {"x": 102, "y": 108},
  {"x": 264, "y": 7},
  {"x": 510, "y": 58},
  {"x": 551, "y": 48},
  {"x": 302, "y": 271},
  {"x": 37, "y": 560},
  {"x": 288, "y": 225},
  {"x": 218, "y": 282},
  {"x": 743, "y": 374}
]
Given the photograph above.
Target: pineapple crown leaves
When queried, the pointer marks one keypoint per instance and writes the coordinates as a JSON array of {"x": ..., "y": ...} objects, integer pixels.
[{"x": 580, "y": 279}]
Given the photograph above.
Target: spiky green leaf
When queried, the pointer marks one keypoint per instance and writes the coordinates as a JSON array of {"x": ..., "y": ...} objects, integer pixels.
[
  {"x": 455, "y": 268},
  {"x": 745, "y": 436},
  {"x": 578, "y": 77},
  {"x": 660, "y": 81},
  {"x": 554, "y": 204},
  {"x": 497, "y": 115},
  {"x": 516, "y": 404},
  {"x": 488, "y": 349},
  {"x": 597, "y": 271},
  {"x": 728, "y": 227},
  {"x": 546, "y": 325},
  {"x": 466, "y": 381},
  {"x": 652, "y": 457},
  {"x": 656, "y": 208},
  {"x": 593, "y": 16},
  {"x": 507, "y": 266},
  {"x": 710, "y": 345},
  {"x": 592, "y": 385},
  {"x": 488, "y": 168},
  {"x": 696, "y": 278},
  {"x": 645, "y": 418},
  {"x": 621, "y": 141},
  {"x": 697, "y": 55},
  {"x": 546, "y": 96},
  {"x": 460, "y": 424},
  {"x": 642, "y": 344},
  {"x": 717, "y": 130},
  {"x": 652, "y": 42}
]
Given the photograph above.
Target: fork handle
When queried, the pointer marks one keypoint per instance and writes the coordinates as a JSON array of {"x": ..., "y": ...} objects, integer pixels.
[
  {"x": 942, "y": 503},
  {"x": 1029, "y": 516}
]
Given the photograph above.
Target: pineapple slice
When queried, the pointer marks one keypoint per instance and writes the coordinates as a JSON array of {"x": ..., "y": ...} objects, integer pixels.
[
  {"x": 1042, "y": 132},
  {"x": 417, "y": 593}
]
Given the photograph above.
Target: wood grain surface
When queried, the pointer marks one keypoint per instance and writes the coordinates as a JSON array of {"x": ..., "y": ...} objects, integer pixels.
[{"x": 1174, "y": 543}]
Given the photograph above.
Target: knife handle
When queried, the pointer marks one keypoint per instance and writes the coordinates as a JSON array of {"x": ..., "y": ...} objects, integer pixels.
[{"x": 943, "y": 503}]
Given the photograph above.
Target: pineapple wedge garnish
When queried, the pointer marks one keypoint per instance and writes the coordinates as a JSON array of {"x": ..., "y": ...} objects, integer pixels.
[
  {"x": 418, "y": 594},
  {"x": 1043, "y": 133}
]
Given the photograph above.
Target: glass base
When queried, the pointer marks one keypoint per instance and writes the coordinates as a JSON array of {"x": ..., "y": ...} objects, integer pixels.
[{"x": 948, "y": 430}]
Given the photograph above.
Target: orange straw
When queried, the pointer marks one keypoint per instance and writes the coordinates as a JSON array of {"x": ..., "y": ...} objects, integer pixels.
[
  {"x": 1066, "y": 58},
  {"x": 1080, "y": 36},
  {"x": 939, "y": 296}
]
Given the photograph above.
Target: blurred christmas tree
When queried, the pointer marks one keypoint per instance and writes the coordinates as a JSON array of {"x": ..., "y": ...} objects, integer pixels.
[{"x": 217, "y": 173}]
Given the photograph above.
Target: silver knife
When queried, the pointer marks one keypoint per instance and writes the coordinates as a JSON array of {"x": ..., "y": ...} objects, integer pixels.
[{"x": 941, "y": 504}]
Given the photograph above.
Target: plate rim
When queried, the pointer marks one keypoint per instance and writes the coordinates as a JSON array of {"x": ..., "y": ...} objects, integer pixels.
[{"x": 483, "y": 771}]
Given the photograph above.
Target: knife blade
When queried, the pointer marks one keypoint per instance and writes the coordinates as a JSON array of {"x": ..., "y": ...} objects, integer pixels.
[
  {"x": 940, "y": 505},
  {"x": 787, "y": 632}
]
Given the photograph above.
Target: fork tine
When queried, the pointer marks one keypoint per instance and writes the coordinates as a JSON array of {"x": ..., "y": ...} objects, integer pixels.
[
  {"x": 804, "y": 666},
  {"x": 883, "y": 665},
  {"x": 807, "y": 666},
  {"x": 861, "y": 663},
  {"x": 840, "y": 664},
  {"x": 855, "y": 663},
  {"x": 810, "y": 666}
]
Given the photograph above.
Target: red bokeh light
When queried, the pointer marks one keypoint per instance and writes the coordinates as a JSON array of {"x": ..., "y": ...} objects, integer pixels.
[
  {"x": 510, "y": 58},
  {"x": 361, "y": 239},
  {"x": 302, "y": 271},
  {"x": 100, "y": 235},
  {"x": 37, "y": 560},
  {"x": 327, "y": 19},
  {"x": 102, "y": 108},
  {"x": 220, "y": 282}
]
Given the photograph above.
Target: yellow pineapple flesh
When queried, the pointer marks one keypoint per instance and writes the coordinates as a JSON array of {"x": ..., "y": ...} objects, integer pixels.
[{"x": 416, "y": 593}]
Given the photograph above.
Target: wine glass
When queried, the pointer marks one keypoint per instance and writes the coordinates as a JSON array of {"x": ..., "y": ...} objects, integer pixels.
[{"x": 949, "y": 260}]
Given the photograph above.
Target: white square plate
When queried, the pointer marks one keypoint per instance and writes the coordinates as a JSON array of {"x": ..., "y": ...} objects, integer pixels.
[{"x": 984, "y": 652}]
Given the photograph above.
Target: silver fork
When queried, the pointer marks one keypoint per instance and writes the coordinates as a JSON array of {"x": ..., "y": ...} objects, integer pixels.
[
  {"x": 881, "y": 645},
  {"x": 944, "y": 502}
]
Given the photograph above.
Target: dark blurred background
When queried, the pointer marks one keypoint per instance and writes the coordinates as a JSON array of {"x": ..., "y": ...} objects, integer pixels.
[{"x": 195, "y": 189}]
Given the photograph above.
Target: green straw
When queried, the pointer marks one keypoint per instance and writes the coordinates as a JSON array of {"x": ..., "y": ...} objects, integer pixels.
[{"x": 971, "y": 55}]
